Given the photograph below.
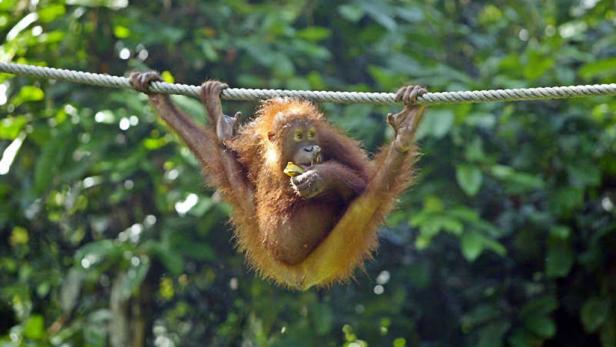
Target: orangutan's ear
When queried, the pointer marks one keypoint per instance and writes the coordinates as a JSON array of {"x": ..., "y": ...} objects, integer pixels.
[{"x": 270, "y": 136}]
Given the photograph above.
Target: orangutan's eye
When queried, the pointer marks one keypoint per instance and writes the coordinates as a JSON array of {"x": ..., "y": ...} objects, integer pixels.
[
  {"x": 312, "y": 133},
  {"x": 299, "y": 135}
]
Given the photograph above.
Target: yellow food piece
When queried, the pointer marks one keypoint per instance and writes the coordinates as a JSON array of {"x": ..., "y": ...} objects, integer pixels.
[{"x": 293, "y": 170}]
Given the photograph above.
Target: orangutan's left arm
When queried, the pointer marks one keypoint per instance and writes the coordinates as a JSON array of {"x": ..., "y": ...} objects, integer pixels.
[{"x": 329, "y": 178}]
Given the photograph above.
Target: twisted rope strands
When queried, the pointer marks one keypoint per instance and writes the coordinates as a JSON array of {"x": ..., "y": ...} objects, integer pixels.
[{"x": 318, "y": 96}]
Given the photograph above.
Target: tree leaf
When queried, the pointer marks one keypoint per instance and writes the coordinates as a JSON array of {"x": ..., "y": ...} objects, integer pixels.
[
  {"x": 50, "y": 12},
  {"x": 472, "y": 245},
  {"x": 608, "y": 332},
  {"x": 541, "y": 325},
  {"x": 494, "y": 246},
  {"x": 469, "y": 178},
  {"x": 314, "y": 33},
  {"x": 95, "y": 252},
  {"x": 323, "y": 318},
  {"x": 351, "y": 12},
  {"x": 594, "y": 312},
  {"x": 517, "y": 182},
  {"x": 599, "y": 68},
  {"x": 172, "y": 261},
  {"x": 135, "y": 275},
  {"x": 34, "y": 327},
  {"x": 479, "y": 315},
  {"x": 523, "y": 338},
  {"x": 71, "y": 286},
  {"x": 584, "y": 174},
  {"x": 539, "y": 306},
  {"x": 436, "y": 123},
  {"x": 47, "y": 164},
  {"x": 492, "y": 334},
  {"x": 95, "y": 331},
  {"x": 451, "y": 225},
  {"x": 10, "y": 127},
  {"x": 559, "y": 257},
  {"x": 28, "y": 93}
]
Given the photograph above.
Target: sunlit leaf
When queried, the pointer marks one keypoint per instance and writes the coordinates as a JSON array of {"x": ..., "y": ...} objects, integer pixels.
[
  {"x": 433, "y": 204},
  {"x": 51, "y": 12},
  {"x": 167, "y": 76},
  {"x": 19, "y": 236},
  {"x": 121, "y": 31},
  {"x": 314, "y": 33},
  {"x": 27, "y": 94},
  {"x": 34, "y": 327},
  {"x": 113, "y": 4},
  {"x": 10, "y": 127}
]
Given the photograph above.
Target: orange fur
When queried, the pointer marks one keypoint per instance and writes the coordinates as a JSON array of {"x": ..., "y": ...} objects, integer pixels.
[{"x": 351, "y": 241}]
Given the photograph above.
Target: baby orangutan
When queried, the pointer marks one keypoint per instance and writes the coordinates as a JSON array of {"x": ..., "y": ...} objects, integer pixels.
[{"x": 306, "y": 199}]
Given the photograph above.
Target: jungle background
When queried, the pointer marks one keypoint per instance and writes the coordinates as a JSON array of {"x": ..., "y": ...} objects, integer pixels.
[{"x": 108, "y": 236}]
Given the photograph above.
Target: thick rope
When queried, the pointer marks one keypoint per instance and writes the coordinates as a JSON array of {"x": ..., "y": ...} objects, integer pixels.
[{"x": 318, "y": 96}]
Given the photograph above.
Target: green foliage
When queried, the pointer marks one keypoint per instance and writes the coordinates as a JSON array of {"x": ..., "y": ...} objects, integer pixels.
[{"x": 507, "y": 238}]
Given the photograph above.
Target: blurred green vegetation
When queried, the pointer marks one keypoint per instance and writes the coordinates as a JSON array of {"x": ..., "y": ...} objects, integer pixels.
[{"x": 109, "y": 237}]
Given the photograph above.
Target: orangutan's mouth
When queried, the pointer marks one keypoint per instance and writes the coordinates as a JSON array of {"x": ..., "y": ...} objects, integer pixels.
[{"x": 316, "y": 159}]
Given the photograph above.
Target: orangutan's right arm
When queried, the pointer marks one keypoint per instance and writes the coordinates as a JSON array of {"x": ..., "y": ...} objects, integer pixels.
[{"x": 219, "y": 164}]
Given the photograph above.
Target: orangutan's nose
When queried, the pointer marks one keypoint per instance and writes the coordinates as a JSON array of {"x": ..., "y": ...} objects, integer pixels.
[{"x": 312, "y": 149}]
